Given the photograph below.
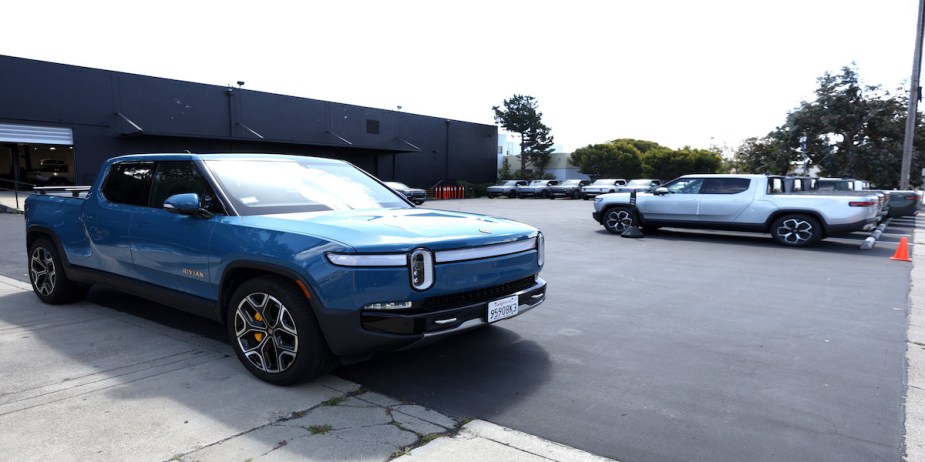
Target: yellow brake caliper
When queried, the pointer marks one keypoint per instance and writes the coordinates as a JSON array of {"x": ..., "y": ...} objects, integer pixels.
[{"x": 258, "y": 335}]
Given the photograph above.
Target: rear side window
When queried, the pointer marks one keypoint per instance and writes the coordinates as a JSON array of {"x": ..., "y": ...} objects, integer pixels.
[
  {"x": 724, "y": 185},
  {"x": 129, "y": 183}
]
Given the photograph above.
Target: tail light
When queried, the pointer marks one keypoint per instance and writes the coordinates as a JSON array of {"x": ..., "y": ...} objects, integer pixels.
[{"x": 862, "y": 203}]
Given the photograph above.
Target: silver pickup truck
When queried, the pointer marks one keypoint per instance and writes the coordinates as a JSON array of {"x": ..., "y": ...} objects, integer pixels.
[{"x": 738, "y": 203}]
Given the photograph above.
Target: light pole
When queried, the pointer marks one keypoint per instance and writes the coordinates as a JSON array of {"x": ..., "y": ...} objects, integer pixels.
[{"x": 915, "y": 93}]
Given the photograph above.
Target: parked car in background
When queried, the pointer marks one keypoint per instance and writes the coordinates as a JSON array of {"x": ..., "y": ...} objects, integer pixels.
[
  {"x": 415, "y": 195},
  {"x": 841, "y": 184},
  {"x": 602, "y": 186},
  {"x": 738, "y": 203},
  {"x": 643, "y": 184},
  {"x": 568, "y": 188},
  {"x": 903, "y": 203},
  {"x": 51, "y": 172},
  {"x": 507, "y": 188},
  {"x": 536, "y": 188}
]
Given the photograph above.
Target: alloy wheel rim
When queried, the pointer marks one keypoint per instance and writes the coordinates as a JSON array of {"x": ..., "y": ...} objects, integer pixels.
[
  {"x": 619, "y": 220},
  {"x": 42, "y": 271},
  {"x": 266, "y": 333},
  {"x": 794, "y": 231}
]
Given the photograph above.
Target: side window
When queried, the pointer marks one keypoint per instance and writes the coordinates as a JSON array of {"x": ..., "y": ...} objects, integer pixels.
[
  {"x": 685, "y": 186},
  {"x": 129, "y": 183},
  {"x": 724, "y": 185},
  {"x": 181, "y": 177}
]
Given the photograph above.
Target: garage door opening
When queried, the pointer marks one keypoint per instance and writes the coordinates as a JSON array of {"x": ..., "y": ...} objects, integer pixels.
[{"x": 36, "y": 156}]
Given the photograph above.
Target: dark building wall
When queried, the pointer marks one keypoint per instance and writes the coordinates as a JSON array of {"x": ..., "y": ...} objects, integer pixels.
[{"x": 113, "y": 113}]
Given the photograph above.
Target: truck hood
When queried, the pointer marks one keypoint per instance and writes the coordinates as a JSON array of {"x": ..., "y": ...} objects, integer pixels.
[{"x": 396, "y": 230}]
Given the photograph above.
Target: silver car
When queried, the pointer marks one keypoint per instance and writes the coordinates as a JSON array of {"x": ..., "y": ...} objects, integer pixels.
[{"x": 603, "y": 186}]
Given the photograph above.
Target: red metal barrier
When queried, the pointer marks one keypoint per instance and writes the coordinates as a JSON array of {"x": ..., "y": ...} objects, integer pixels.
[{"x": 449, "y": 192}]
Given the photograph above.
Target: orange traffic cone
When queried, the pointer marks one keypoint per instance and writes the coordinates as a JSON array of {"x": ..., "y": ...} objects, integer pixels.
[{"x": 902, "y": 252}]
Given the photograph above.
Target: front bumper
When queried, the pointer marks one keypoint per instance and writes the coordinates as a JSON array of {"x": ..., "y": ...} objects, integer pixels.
[{"x": 359, "y": 335}]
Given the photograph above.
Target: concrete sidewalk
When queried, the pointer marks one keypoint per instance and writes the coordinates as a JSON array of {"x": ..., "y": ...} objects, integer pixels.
[
  {"x": 12, "y": 202},
  {"x": 85, "y": 383}
]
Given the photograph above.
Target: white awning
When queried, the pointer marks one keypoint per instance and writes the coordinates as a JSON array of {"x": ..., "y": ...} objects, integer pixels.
[{"x": 34, "y": 134}]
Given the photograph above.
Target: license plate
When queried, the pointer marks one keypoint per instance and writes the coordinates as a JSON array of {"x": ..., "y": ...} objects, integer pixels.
[{"x": 504, "y": 308}]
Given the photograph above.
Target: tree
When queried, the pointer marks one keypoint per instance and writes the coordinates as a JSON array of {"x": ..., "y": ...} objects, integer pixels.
[
  {"x": 520, "y": 116},
  {"x": 504, "y": 173},
  {"x": 850, "y": 129},
  {"x": 617, "y": 159},
  {"x": 764, "y": 155},
  {"x": 668, "y": 164}
]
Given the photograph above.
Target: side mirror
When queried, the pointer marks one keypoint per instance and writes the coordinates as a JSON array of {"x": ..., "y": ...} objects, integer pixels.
[
  {"x": 186, "y": 204},
  {"x": 660, "y": 191}
]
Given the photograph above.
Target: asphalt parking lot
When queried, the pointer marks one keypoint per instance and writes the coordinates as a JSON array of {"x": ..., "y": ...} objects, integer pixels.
[{"x": 681, "y": 345}]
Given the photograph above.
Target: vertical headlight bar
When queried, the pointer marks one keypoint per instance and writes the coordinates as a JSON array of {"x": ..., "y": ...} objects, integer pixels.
[
  {"x": 421, "y": 264},
  {"x": 540, "y": 249}
]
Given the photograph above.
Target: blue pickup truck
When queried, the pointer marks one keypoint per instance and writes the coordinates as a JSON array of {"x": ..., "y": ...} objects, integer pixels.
[{"x": 308, "y": 262}]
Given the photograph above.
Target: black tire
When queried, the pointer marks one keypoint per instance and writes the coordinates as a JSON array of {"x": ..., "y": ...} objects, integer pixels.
[
  {"x": 575, "y": 195},
  {"x": 617, "y": 219},
  {"x": 511, "y": 195},
  {"x": 46, "y": 273},
  {"x": 796, "y": 230},
  {"x": 584, "y": 197},
  {"x": 544, "y": 194},
  {"x": 491, "y": 197},
  {"x": 274, "y": 332}
]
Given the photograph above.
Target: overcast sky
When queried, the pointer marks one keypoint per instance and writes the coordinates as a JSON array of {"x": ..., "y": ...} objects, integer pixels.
[{"x": 676, "y": 72}]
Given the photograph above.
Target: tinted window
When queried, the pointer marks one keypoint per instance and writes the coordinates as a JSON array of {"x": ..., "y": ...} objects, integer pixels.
[
  {"x": 724, "y": 185},
  {"x": 129, "y": 183},
  {"x": 182, "y": 177}
]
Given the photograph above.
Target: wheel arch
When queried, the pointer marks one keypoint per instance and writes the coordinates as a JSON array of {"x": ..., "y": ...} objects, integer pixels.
[
  {"x": 632, "y": 208},
  {"x": 35, "y": 233},
  {"x": 238, "y": 272}
]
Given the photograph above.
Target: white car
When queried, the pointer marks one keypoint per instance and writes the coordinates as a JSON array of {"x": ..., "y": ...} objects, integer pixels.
[{"x": 603, "y": 186}]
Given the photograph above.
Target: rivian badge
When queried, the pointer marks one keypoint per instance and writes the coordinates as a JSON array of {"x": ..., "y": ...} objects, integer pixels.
[{"x": 484, "y": 230}]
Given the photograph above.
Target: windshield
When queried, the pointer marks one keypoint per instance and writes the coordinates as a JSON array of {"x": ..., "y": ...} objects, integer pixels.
[
  {"x": 509, "y": 183},
  {"x": 570, "y": 183},
  {"x": 396, "y": 185},
  {"x": 537, "y": 182},
  {"x": 270, "y": 186},
  {"x": 603, "y": 182}
]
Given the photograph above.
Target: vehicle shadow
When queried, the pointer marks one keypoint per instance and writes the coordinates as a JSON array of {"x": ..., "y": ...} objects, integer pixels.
[
  {"x": 116, "y": 361},
  {"x": 842, "y": 244},
  {"x": 476, "y": 374}
]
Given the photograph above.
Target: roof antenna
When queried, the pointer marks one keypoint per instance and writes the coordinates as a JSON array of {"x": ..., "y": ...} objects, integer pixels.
[{"x": 187, "y": 151}]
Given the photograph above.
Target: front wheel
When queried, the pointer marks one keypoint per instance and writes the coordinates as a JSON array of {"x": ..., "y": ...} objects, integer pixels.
[
  {"x": 274, "y": 332},
  {"x": 46, "y": 273},
  {"x": 796, "y": 230},
  {"x": 617, "y": 219}
]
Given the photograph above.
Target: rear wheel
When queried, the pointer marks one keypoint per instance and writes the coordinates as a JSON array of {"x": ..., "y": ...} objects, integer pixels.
[
  {"x": 511, "y": 195},
  {"x": 46, "y": 273},
  {"x": 796, "y": 230},
  {"x": 575, "y": 195},
  {"x": 617, "y": 219},
  {"x": 274, "y": 333}
]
